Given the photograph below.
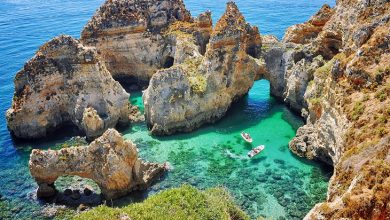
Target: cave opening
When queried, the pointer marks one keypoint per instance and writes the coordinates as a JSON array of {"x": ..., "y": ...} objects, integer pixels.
[
  {"x": 168, "y": 62},
  {"x": 252, "y": 51}
]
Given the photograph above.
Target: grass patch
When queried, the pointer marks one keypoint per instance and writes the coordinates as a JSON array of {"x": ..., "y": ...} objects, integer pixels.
[
  {"x": 185, "y": 202},
  {"x": 315, "y": 101},
  {"x": 357, "y": 110},
  {"x": 383, "y": 93},
  {"x": 324, "y": 70}
]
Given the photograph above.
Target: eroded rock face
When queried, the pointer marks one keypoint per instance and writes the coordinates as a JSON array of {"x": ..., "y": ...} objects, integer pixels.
[
  {"x": 110, "y": 161},
  {"x": 201, "y": 90},
  {"x": 304, "y": 33},
  {"x": 347, "y": 115},
  {"x": 65, "y": 83},
  {"x": 136, "y": 38},
  {"x": 289, "y": 68}
]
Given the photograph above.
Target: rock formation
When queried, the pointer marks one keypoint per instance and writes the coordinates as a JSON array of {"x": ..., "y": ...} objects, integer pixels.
[
  {"x": 136, "y": 38},
  {"x": 304, "y": 33},
  {"x": 201, "y": 89},
  {"x": 110, "y": 161},
  {"x": 348, "y": 109},
  {"x": 65, "y": 83},
  {"x": 333, "y": 69}
]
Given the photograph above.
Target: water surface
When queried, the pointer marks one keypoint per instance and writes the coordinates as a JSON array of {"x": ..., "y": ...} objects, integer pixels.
[{"x": 273, "y": 184}]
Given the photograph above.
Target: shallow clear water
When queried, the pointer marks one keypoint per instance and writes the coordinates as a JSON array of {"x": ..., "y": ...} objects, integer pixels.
[
  {"x": 213, "y": 155},
  {"x": 274, "y": 183}
]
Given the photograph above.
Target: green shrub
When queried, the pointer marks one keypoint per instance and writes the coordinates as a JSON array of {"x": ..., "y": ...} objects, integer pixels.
[
  {"x": 381, "y": 131},
  {"x": 381, "y": 94},
  {"x": 184, "y": 202}
]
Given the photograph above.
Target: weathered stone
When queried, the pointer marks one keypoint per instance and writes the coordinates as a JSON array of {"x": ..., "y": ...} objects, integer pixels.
[
  {"x": 61, "y": 83},
  {"x": 46, "y": 190},
  {"x": 82, "y": 207},
  {"x": 110, "y": 161},
  {"x": 297, "y": 78},
  {"x": 136, "y": 115},
  {"x": 136, "y": 38},
  {"x": 342, "y": 127},
  {"x": 201, "y": 90},
  {"x": 304, "y": 33}
]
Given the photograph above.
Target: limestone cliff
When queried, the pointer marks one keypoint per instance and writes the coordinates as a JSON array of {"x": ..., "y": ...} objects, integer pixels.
[
  {"x": 135, "y": 38},
  {"x": 304, "y": 33},
  {"x": 110, "y": 161},
  {"x": 201, "y": 90},
  {"x": 348, "y": 110},
  {"x": 65, "y": 83}
]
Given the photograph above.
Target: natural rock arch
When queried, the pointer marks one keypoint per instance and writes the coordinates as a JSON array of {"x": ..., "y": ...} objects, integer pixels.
[{"x": 110, "y": 161}]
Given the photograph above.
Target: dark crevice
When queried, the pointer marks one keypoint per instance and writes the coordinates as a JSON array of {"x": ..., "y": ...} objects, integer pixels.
[{"x": 168, "y": 62}]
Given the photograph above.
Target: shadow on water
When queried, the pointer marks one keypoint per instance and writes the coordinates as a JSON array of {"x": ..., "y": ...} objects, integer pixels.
[
  {"x": 56, "y": 136},
  {"x": 326, "y": 169},
  {"x": 135, "y": 196}
]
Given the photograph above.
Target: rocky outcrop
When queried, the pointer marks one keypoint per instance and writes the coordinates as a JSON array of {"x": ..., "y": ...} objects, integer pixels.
[
  {"x": 136, "y": 38},
  {"x": 289, "y": 68},
  {"x": 304, "y": 33},
  {"x": 347, "y": 110},
  {"x": 110, "y": 161},
  {"x": 65, "y": 83},
  {"x": 201, "y": 90}
]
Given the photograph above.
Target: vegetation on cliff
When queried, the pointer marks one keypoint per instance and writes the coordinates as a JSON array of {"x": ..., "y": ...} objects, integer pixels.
[
  {"x": 198, "y": 81},
  {"x": 348, "y": 102},
  {"x": 184, "y": 202}
]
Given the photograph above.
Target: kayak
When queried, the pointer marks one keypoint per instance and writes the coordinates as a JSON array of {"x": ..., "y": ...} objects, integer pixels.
[
  {"x": 255, "y": 151},
  {"x": 249, "y": 140}
]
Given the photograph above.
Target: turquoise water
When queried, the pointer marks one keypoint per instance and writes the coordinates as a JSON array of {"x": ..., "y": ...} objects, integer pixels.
[{"x": 274, "y": 183}]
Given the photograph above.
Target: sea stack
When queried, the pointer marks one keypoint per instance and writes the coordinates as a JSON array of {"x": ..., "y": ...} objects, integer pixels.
[
  {"x": 65, "y": 83},
  {"x": 201, "y": 89}
]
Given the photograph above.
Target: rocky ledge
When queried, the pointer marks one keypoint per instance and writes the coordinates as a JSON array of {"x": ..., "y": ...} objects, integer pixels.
[
  {"x": 65, "y": 83},
  {"x": 110, "y": 161},
  {"x": 201, "y": 89},
  {"x": 136, "y": 38}
]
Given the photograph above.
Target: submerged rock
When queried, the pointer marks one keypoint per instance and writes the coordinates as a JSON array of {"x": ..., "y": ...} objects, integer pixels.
[
  {"x": 201, "y": 90},
  {"x": 110, "y": 161},
  {"x": 136, "y": 38},
  {"x": 65, "y": 83}
]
